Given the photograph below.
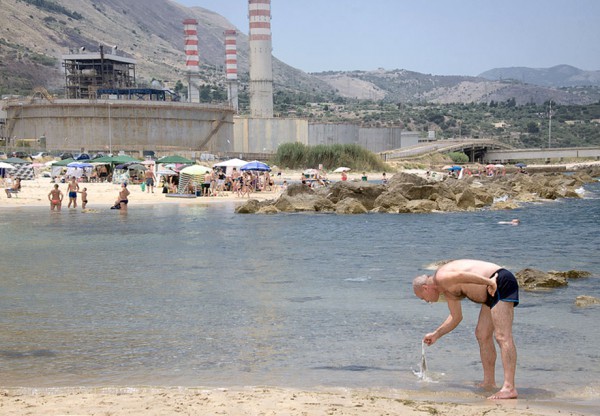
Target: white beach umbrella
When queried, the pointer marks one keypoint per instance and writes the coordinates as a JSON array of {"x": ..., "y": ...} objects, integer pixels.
[{"x": 4, "y": 165}]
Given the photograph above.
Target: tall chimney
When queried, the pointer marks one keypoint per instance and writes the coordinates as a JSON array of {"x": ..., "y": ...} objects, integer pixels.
[
  {"x": 192, "y": 62},
  {"x": 261, "y": 66},
  {"x": 231, "y": 68}
]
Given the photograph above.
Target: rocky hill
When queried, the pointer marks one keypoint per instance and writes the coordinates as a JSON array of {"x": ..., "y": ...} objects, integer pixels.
[
  {"x": 35, "y": 33},
  {"x": 556, "y": 76},
  {"x": 411, "y": 87}
]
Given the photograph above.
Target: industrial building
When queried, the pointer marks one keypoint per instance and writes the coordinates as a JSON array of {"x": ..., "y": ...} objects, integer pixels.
[{"x": 105, "y": 111}]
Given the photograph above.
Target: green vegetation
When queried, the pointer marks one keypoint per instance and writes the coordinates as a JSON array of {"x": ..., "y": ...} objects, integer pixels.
[
  {"x": 299, "y": 156},
  {"x": 52, "y": 7},
  {"x": 458, "y": 157},
  {"x": 523, "y": 126}
]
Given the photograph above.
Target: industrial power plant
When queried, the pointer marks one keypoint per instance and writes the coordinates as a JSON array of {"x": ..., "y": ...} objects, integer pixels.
[{"x": 104, "y": 111}]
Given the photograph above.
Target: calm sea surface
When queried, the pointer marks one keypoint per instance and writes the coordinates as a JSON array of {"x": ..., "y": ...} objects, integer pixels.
[{"x": 200, "y": 296}]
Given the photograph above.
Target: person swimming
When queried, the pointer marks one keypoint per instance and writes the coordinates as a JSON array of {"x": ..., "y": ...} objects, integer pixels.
[{"x": 514, "y": 221}]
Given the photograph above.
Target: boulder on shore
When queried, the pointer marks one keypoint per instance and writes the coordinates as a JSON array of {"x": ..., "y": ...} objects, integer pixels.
[{"x": 410, "y": 193}]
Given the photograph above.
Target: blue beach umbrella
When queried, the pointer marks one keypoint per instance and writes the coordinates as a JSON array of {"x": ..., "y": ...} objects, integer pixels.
[
  {"x": 80, "y": 165},
  {"x": 256, "y": 165}
]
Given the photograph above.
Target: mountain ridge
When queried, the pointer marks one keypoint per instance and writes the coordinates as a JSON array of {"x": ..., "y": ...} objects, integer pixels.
[{"x": 37, "y": 32}]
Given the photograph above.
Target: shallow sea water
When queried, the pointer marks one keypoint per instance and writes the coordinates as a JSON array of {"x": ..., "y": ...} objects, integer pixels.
[{"x": 177, "y": 295}]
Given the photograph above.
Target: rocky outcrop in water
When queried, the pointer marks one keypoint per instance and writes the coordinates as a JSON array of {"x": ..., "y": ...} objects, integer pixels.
[
  {"x": 532, "y": 279},
  {"x": 409, "y": 193},
  {"x": 585, "y": 301}
]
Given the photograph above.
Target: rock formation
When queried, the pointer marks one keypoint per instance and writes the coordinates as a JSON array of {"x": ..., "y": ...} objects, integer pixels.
[{"x": 410, "y": 193}]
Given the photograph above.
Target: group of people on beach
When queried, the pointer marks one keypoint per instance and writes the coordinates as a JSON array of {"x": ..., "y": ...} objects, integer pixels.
[{"x": 56, "y": 196}]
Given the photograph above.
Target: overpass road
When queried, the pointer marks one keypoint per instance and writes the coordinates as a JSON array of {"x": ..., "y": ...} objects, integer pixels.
[{"x": 486, "y": 150}]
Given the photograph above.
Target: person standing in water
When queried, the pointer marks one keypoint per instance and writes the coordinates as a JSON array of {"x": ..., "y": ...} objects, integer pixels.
[
  {"x": 55, "y": 197},
  {"x": 497, "y": 290},
  {"x": 123, "y": 200}
]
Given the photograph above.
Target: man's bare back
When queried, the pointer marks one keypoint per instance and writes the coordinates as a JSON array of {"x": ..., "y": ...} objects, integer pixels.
[{"x": 457, "y": 291}]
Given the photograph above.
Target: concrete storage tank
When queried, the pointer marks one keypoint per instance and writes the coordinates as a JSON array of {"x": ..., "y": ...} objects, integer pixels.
[{"x": 114, "y": 125}]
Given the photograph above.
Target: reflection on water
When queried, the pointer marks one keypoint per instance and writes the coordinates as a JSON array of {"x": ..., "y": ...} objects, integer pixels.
[{"x": 178, "y": 295}]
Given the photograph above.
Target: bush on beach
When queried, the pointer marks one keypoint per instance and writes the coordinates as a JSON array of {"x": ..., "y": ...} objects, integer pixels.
[{"x": 300, "y": 156}]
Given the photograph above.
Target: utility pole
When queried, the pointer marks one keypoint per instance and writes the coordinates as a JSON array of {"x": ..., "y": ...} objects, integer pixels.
[{"x": 550, "y": 124}]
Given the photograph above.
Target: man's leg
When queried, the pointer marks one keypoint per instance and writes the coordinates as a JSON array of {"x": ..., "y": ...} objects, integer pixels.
[
  {"x": 484, "y": 334},
  {"x": 502, "y": 316}
]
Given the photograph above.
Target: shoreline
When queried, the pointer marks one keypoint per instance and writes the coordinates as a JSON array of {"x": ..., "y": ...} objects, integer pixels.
[{"x": 269, "y": 400}]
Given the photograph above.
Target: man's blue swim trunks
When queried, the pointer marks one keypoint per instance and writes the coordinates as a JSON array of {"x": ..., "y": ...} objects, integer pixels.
[{"x": 508, "y": 289}]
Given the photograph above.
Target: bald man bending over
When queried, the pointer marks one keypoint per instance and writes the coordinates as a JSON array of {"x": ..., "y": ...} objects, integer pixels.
[{"x": 497, "y": 291}]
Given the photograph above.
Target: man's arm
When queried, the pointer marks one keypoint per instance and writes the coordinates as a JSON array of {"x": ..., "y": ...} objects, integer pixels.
[
  {"x": 446, "y": 279},
  {"x": 448, "y": 325}
]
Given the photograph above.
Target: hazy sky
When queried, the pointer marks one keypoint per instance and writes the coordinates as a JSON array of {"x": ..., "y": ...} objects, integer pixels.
[{"x": 442, "y": 37}]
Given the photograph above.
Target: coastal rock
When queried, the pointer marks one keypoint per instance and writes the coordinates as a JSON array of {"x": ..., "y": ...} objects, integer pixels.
[
  {"x": 407, "y": 193},
  {"x": 364, "y": 192},
  {"x": 466, "y": 200},
  {"x": 268, "y": 209},
  {"x": 446, "y": 205},
  {"x": 299, "y": 202},
  {"x": 350, "y": 206},
  {"x": 571, "y": 274},
  {"x": 584, "y": 301},
  {"x": 419, "y": 206},
  {"x": 390, "y": 201},
  {"x": 502, "y": 205},
  {"x": 249, "y": 207},
  {"x": 532, "y": 279}
]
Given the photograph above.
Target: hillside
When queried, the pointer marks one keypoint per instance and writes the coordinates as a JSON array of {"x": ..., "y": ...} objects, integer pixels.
[
  {"x": 556, "y": 76},
  {"x": 412, "y": 87},
  {"x": 35, "y": 33}
]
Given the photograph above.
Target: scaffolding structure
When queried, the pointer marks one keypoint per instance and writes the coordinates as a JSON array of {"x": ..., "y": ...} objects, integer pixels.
[{"x": 86, "y": 73}]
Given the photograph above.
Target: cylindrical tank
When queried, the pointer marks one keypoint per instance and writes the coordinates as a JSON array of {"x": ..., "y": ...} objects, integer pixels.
[{"x": 123, "y": 125}]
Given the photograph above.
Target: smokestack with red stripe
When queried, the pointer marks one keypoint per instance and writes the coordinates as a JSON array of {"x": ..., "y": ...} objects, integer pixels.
[
  {"x": 261, "y": 66},
  {"x": 192, "y": 61},
  {"x": 231, "y": 68}
]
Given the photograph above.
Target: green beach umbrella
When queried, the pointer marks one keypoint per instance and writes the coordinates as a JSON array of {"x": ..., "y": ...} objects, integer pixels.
[{"x": 175, "y": 159}]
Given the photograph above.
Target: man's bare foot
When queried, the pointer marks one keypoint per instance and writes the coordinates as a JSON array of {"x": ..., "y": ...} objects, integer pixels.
[
  {"x": 487, "y": 386},
  {"x": 504, "y": 394}
]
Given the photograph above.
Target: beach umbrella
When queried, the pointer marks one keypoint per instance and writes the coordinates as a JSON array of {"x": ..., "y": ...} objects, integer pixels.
[
  {"x": 64, "y": 162},
  {"x": 80, "y": 165},
  {"x": 454, "y": 168},
  {"x": 196, "y": 170},
  {"x": 136, "y": 166},
  {"x": 16, "y": 161},
  {"x": 4, "y": 165},
  {"x": 234, "y": 163},
  {"x": 166, "y": 172},
  {"x": 256, "y": 165},
  {"x": 342, "y": 169},
  {"x": 175, "y": 159}
]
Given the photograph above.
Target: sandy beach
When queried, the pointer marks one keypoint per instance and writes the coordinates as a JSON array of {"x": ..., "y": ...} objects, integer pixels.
[
  {"x": 261, "y": 401},
  {"x": 268, "y": 400}
]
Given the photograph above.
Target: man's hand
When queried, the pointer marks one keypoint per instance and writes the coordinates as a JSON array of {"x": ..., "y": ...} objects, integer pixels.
[
  {"x": 430, "y": 338},
  {"x": 494, "y": 285}
]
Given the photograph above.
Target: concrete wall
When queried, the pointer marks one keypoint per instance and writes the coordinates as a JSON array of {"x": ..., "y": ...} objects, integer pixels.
[
  {"x": 114, "y": 125},
  {"x": 264, "y": 135},
  {"x": 122, "y": 125}
]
